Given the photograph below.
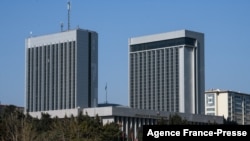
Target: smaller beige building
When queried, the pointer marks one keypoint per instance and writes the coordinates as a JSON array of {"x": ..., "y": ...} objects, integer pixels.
[{"x": 234, "y": 106}]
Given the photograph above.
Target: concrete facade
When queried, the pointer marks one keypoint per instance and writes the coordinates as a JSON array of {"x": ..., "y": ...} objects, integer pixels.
[
  {"x": 131, "y": 119},
  {"x": 166, "y": 72},
  {"x": 61, "y": 71}
]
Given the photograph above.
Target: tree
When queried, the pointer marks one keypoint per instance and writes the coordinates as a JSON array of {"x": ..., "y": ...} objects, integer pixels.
[
  {"x": 139, "y": 134},
  {"x": 176, "y": 120},
  {"x": 162, "y": 121},
  {"x": 10, "y": 123},
  {"x": 228, "y": 121},
  {"x": 111, "y": 132},
  {"x": 28, "y": 131},
  {"x": 16, "y": 126},
  {"x": 44, "y": 124}
]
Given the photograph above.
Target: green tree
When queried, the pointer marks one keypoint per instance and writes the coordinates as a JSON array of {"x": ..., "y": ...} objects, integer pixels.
[
  {"x": 111, "y": 132},
  {"x": 10, "y": 123},
  {"x": 15, "y": 126},
  {"x": 43, "y": 124},
  {"x": 162, "y": 121},
  {"x": 228, "y": 121},
  {"x": 139, "y": 134},
  {"x": 28, "y": 131},
  {"x": 176, "y": 120}
]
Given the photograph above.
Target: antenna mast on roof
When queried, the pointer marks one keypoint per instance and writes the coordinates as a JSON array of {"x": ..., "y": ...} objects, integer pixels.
[{"x": 69, "y": 7}]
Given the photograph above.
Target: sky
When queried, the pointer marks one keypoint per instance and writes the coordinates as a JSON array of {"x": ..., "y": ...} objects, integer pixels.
[{"x": 225, "y": 24}]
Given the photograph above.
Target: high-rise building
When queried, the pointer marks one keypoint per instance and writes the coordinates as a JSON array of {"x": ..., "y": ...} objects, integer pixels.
[
  {"x": 166, "y": 72},
  {"x": 232, "y": 105},
  {"x": 61, "y": 72}
]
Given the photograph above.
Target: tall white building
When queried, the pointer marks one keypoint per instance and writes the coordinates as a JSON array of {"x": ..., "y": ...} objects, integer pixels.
[
  {"x": 61, "y": 72},
  {"x": 234, "y": 106},
  {"x": 166, "y": 72}
]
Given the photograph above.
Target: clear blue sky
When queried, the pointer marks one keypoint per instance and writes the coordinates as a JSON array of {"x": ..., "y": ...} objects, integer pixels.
[{"x": 225, "y": 23}]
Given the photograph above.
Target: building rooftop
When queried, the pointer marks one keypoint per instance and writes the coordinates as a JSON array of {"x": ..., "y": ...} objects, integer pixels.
[
  {"x": 224, "y": 91},
  {"x": 108, "y": 105}
]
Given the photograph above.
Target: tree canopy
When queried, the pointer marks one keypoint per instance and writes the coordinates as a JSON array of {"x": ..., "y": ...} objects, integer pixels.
[{"x": 16, "y": 126}]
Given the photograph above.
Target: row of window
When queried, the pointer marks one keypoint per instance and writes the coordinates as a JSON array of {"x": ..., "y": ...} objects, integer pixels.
[
  {"x": 43, "y": 91},
  {"x": 147, "y": 77},
  {"x": 163, "y": 44}
]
